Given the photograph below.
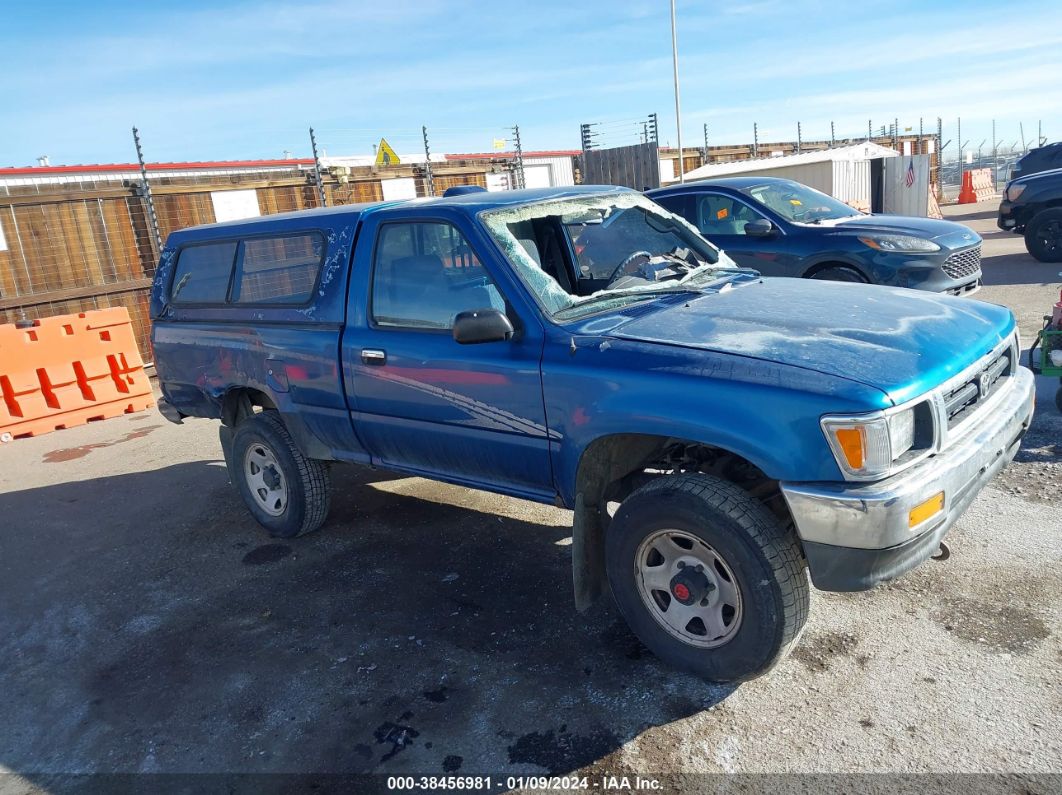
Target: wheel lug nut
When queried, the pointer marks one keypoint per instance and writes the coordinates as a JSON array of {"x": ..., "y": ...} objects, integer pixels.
[{"x": 682, "y": 564}]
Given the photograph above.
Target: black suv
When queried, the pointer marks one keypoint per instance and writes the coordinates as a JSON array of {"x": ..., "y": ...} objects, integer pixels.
[
  {"x": 1043, "y": 158},
  {"x": 1033, "y": 205}
]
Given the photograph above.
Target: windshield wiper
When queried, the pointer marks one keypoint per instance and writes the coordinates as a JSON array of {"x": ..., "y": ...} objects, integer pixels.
[{"x": 634, "y": 293}]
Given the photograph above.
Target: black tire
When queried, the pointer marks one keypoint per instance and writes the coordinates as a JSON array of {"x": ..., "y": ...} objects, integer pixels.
[
  {"x": 764, "y": 557},
  {"x": 1043, "y": 235},
  {"x": 839, "y": 273},
  {"x": 306, "y": 484}
]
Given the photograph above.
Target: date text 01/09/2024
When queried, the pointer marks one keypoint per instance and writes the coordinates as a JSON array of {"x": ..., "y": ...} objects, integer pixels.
[{"x": 480, "y": 783}]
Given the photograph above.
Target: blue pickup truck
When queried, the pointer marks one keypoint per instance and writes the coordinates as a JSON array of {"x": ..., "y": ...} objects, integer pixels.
[{"x": 716, "y": 434}]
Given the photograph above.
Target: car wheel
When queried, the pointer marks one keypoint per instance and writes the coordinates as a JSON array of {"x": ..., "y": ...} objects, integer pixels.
[
  {"x": 286, "y": 492},
  {"x": 1043, "y": 235},
  {"x": 839, "y": 274},
  {"x": 706, "y": 577}
]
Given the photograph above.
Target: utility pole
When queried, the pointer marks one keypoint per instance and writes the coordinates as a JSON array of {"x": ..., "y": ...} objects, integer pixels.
[
  {"x": 317, "y": 169},
  {"x": 429, "y": 176},
  {"x": 518, "y": 161},
  {"x": 654, "y": 128},
  {"x": 705, "y": 158},
  {"x": 1021, "y": 129},
  {"x": 958, "y": 138},
  {"x": 145, "y": 189},
  {"x": 831, "y": 135},
  {"x": 799, "y": 142},
  {"x": 940, "y": 158},
  {"x": 678, "y": 108},
  {"x": 995, "y": 159},
  {"x": 755, "y": 140},
  {"x": 895, "y": 133},
  {"x": 586, "y": 136},
  {"x": 870, "y": 130},
  {"x": 921, "y": 145}
]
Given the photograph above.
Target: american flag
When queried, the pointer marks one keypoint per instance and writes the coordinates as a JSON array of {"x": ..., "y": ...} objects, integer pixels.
[{"x": 910, "y": 178}]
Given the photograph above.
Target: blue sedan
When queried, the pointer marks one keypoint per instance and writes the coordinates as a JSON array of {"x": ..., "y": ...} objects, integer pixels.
[{"x": 784, "y": 228}]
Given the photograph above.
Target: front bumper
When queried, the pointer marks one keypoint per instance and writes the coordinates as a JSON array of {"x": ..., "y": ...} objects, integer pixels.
[
  {"x": 858, "y": 535},
  {"x": 924, "y": 272},
  {"x": 1007, "y": 220}
]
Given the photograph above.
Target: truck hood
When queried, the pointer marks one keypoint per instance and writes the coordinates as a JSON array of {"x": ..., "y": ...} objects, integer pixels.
[
  {"x": 903, "y": 342},
  {"x": 928, "y": 228}
]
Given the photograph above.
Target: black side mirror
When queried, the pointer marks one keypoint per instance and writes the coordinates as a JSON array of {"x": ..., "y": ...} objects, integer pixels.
[
  {"x": 761, "y": 227},
  {"x": 482, "y": 325}
]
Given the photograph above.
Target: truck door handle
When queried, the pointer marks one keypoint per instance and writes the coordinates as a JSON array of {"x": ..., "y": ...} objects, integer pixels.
[{"x": 373, "y": 356}]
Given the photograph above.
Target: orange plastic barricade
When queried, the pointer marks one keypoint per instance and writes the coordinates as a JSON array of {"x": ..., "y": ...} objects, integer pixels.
[
  {"x": 68, "y": 370},
  {"x": 982, "y": 184}
]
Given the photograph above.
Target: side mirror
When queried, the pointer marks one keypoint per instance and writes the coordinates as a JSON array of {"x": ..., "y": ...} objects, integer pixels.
[
  {"x": 761, "y": 227},
  {"x": 481, "y": 325}
]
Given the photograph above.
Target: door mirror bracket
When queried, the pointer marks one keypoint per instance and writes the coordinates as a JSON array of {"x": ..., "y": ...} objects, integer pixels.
[
  {"x": 482, "y": 325},
  {"x": 761, "y": 227}
]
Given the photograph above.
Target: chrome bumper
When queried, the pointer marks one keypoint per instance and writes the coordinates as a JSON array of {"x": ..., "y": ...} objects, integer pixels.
[{"x": 875, "y": 516}]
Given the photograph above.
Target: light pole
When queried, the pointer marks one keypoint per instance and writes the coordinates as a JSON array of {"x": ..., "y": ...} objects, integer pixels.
[{"x": 678, "y": 108}]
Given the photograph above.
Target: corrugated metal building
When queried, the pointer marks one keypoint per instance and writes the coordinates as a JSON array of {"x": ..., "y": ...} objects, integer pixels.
[{"x": 845, "y": 173}]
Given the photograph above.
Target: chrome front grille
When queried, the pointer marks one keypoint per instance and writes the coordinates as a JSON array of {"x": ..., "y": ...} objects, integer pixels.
[
  {"x": 963, "y": 399},
  {"x": 963, "y": 263}
]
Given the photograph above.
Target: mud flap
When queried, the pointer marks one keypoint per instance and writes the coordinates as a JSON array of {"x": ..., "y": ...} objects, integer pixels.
[
  {"x": 588, "y": 556},
  {"x": 225, "y": 433}
]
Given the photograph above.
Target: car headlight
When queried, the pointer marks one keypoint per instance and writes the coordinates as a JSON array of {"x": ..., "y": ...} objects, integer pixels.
[
  {"x": 899, "y": 243},
  {"x": 876, "y": 445},
  {"x": 1013, "y": 191}
]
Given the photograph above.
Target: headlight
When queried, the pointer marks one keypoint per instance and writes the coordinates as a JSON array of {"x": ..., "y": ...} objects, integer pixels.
[
  {"x": 1014, "y": 190},
  {"x": 874, "y": 445},
  {"x": 899, "y": 243}
]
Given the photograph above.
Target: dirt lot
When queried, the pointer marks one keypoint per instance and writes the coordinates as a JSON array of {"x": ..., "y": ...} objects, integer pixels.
[{"x": 147, "y": 624}]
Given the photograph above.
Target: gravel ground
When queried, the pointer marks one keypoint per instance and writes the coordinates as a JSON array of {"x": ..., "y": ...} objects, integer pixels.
[{"x": 148, "y": 625}]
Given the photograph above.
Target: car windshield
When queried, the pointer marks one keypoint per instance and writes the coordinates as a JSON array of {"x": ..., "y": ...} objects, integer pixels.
[
  {"x": 799, "y": 203},
  {"x": 583, "y": 254}
]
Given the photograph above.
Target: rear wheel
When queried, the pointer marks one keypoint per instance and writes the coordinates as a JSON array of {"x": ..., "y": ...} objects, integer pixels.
[
  {"x": 1043, "y": 235},
  {"x": 839, "y": 273},
  {"x": 286, "y": 492},
  {"x": 706, "y": 577}
]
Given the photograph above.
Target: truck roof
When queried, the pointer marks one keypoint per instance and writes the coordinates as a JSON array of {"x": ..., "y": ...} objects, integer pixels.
[{"x": 471, "y": 203}]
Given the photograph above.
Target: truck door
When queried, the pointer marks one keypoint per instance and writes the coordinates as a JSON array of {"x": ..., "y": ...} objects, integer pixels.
[{"x": 419, "y": 400}]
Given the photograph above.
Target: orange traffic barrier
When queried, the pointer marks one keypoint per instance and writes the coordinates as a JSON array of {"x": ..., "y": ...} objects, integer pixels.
[
  {"x": 68, "y": 370},
  {"x": 966, "y": 193}
]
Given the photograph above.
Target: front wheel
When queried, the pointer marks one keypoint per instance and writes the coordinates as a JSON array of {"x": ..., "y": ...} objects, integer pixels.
[
  {"x": 1043, "y": 235},
  {"x": 706, "y": 577},
  {"x": 286, "y": 492},
  {"x": 839, "y": 274}
]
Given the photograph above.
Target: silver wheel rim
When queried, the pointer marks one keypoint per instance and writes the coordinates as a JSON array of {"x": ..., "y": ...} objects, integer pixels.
[
  {"x": 710, "y": 621},
  {"x": 265, "y": 480}
]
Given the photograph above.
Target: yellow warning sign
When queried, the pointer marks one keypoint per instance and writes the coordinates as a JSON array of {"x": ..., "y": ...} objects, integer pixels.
[{"x": 385, "y": 155}]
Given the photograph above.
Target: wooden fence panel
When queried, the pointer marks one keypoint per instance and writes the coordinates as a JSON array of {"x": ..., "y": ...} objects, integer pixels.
[{"x": 634, "y": 166}]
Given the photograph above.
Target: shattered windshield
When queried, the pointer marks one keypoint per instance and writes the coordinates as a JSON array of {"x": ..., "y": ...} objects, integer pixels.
[{"x": 579, "y": 255}]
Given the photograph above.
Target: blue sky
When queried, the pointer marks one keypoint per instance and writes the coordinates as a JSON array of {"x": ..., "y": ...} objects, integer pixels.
[{"x": 221, "y": 80}]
